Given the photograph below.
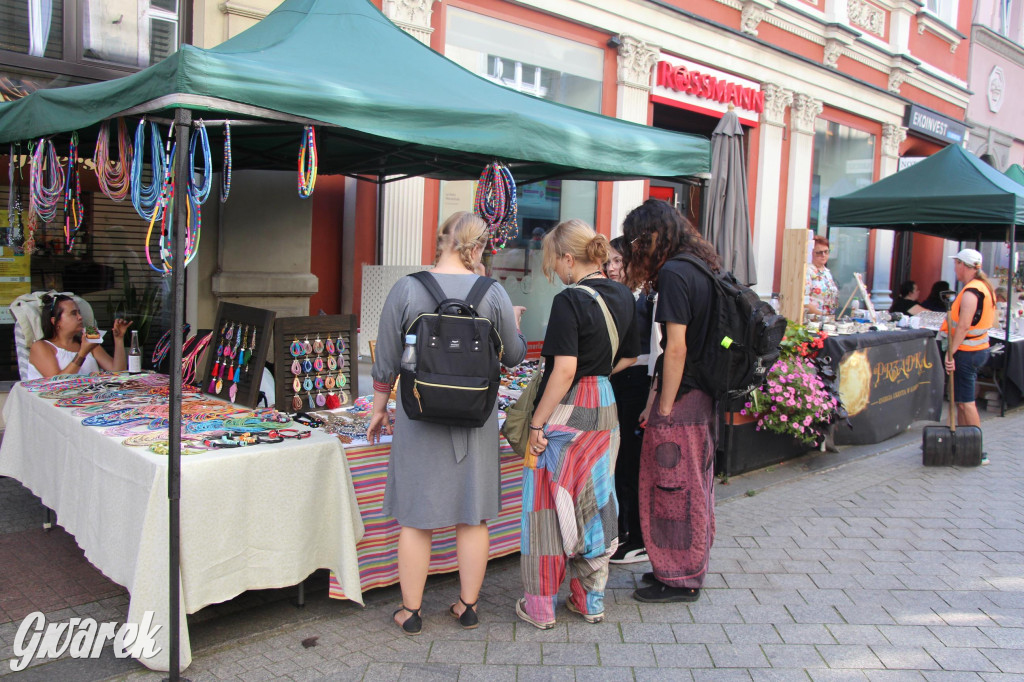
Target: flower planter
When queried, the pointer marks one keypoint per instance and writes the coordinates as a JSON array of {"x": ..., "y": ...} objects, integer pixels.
[{"x": 742, "y": 448}]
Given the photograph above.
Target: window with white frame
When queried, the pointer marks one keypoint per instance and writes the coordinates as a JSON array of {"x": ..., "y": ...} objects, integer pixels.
[
  {"x": 129, "y": 32},
  {"x": 945, "y": 10}
]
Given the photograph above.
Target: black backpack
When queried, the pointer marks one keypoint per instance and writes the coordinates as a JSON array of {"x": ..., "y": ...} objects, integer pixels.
[
  {"x": 457, "y": 354},
  {"x": 743, "y": 338}
]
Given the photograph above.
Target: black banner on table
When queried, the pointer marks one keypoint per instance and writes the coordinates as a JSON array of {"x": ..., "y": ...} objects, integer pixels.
[{"x": 888, "y": 386}]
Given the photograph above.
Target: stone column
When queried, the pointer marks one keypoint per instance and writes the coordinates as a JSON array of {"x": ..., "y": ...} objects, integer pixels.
[
  {"x": 403, "y": 199},
  {"x": 636, "y": 61},
  {"x": 881, "y": 293},
  {"x": 766, "y": 204},
  {"x": 801, "y": 156},
  {"x": 263, "y": 207}
]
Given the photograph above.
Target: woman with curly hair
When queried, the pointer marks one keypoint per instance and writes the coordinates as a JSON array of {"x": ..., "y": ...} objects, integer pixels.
[{"x": 677, "y": 503}]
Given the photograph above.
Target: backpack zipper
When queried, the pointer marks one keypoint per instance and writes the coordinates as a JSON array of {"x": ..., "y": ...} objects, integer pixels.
[{"x": 457, "y": 388}]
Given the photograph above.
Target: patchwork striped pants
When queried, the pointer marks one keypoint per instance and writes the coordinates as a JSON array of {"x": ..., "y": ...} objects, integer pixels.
[{"x": 570, "y": 514}]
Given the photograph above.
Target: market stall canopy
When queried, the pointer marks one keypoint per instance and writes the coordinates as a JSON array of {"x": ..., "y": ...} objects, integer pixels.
[
  {"x": 951, "y": 194},
  {"x": 384, "y": 103}
]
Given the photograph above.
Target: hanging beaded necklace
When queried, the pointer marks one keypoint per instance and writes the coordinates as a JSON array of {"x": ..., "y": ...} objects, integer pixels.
[
  {"x": 307, "y": 163},
  {"x": 146, "y": 197},
  {"x": 162, "y": 209},
  {"x": 73, "y": 216},
  {"x": 497, "y": 204},
  {"x": 201, "y": 192},
  {"x": 46, "y": 183},
  {"x": 225, "y": 176},
  {"x": 114, "y": 176},
  {"x": 15, "y": 232}
]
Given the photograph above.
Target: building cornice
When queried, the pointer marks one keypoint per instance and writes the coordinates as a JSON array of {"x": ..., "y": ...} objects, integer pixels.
[
  {"x": 983, "y": 36},
  {"x": 926, "y": 21}
]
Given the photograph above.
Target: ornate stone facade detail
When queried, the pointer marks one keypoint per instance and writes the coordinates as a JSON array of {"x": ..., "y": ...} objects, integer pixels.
[
  {"x": 414, "y": 12},
  {"x": 897, "y": 77},
  {"x": 892, "y": 136},
  {"x": 636, "y": 59},
  {"x": 866, "y": 16},
  {"x": 776, "y": 99},
  {"x": 833, "y": 50},
  {"x": 805, "y": 110},
  {"x": 751, "y": 16}
]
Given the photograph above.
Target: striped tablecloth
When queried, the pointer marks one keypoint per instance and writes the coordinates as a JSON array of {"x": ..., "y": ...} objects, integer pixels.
[{"x": 378, "y": 550}]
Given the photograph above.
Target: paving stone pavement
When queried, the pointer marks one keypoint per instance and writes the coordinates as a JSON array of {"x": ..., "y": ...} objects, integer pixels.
[{"x": 878, "y": 570}]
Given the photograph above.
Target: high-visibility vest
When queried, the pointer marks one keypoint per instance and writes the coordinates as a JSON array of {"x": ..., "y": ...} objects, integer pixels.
[{"x": 977, "y": 335}]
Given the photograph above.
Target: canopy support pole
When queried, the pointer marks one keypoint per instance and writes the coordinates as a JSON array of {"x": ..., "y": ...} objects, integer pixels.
[
  {"x": 1011, "y": 273},
  {"x": 182, "y": 129}
]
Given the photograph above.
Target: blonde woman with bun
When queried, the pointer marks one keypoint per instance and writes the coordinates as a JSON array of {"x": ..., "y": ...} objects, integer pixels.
[
  {"x": 441, "y": 476},
  {"x": 570, "y": 513}
]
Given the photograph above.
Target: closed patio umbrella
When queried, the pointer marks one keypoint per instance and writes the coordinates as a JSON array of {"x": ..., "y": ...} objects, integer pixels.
[{"x": 728, "y": 215}]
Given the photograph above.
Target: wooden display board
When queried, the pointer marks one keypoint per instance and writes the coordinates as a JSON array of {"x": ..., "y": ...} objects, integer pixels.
[
  {"x": 794, "y": 273},
  {"x": 288, "y": 330},
  {"x": 231, "y": 316}
]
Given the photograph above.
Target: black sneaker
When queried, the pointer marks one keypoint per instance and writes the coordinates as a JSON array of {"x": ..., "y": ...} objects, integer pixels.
[
  {"x": 629, "y": 554},
  {"x": 660, "y": 593}
]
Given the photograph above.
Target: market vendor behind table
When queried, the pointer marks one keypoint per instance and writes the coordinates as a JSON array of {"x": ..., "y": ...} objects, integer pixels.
[
  {"x": 64, "y": 349},
  {"x": 820, "y": 289}
]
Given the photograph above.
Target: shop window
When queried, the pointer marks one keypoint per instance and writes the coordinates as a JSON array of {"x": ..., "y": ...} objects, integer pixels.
[
  {"x": 538, "y": 64},
  {"x": 32, "y": 27},
  {"x": 844, "y": 161},
  {"x": 943, "y": 9},
  {"x": 111, "y": 244},
  {"x": 129, "y": 34}
]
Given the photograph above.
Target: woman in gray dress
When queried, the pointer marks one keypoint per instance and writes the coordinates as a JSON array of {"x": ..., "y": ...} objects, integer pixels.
[{"x": 441, "y": 476}]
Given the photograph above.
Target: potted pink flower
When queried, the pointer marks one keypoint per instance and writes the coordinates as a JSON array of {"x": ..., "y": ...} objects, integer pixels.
[{"x": 794, "y": 401}]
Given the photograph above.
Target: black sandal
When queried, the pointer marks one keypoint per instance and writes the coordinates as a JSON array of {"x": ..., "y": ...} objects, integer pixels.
[
  {"x": 468, "y": 620},
  {"x": 413, "y": 625}
]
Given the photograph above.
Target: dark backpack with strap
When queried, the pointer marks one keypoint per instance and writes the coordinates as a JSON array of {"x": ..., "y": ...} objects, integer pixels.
[
  {"x": 457, "y": 360},
  {"x": 743, "y": 338}
]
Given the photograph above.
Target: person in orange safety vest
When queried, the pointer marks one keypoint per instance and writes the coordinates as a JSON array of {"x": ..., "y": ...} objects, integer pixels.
[{"x": 972, "y": 314}]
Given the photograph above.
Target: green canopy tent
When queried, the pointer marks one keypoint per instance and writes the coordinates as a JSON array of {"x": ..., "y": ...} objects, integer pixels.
[
  {"x": 952, "y": 194},
  {"x": 385, "y": 106}
]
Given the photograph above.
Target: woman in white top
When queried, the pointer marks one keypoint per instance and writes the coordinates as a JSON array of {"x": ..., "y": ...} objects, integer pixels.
[{"x": 64, "y": 348}]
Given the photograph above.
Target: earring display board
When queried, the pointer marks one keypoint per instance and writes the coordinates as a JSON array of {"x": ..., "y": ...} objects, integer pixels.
[
  {"x": 237, "y": 353},
  {"x": 315, "y": 362}
]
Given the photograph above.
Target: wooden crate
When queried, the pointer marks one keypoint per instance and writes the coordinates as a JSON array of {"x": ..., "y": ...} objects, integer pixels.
[{"x": 289, "y": 329}]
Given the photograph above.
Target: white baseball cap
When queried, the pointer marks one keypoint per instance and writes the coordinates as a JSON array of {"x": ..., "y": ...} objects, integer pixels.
[{"x": 969, "y": 257}]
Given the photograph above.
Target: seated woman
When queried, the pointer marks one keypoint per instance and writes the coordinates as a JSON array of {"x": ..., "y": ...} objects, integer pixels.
[
  {"x": 907, "y": 302},
  {"x": 933, "y": 302},
  {"x": 64, "y": 348}
]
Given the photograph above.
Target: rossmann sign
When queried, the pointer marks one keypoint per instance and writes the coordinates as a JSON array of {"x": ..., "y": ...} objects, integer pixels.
[{"x": 700, "y": 88}]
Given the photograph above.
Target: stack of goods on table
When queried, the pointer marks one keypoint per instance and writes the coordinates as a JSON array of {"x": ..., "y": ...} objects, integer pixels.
[{"x": 135, "y": 409}]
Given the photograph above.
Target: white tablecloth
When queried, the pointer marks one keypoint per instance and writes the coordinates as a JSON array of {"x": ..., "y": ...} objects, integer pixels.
[{"x": 257, "y": 517}]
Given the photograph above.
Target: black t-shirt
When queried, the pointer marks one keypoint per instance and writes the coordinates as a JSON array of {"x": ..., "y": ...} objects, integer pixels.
[
  {"x": 902, "y": 305},
  {"x": 685, "y": 296},
  {"x": 644, "y": 312},
  {"x": 577, "y": 328}
]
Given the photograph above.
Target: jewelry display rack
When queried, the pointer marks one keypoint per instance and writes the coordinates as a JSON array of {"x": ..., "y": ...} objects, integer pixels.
[
  {"x": 311, "y": 345},
  {"x": 225, "y": 377}
]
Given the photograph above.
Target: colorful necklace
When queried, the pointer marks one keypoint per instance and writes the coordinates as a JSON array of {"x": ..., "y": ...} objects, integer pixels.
[
  {"x": 145, "y": 197},
  {"x": 225, "y": 176},
  {"x": 497, "y": 204},
  {"x": 114, "y": 176},
  {"x": 200, "y": 193},
  {"x": 307, "y": 163},
  {"x": 73, "y": 216},
  {"x": 45, "y": 187}
]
